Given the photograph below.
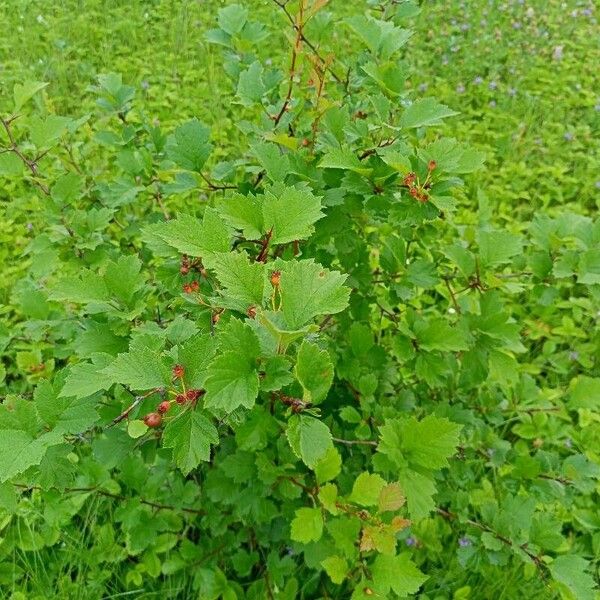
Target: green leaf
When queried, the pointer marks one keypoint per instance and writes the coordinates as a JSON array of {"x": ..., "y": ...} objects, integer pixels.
[
  {"x": 367, "y": 488},
  {"x": 136, "y": 428},
  {"x": 425, "y": 112},
  {"x": 314, "y": 371},
  {"x": 232, "y": 18},
  {"x": 231, "y": 383},
  {"x": 244, "y": 213},
  {"x": 309, "y": 438},
  {"x": 63, "y": 414},
  {"x": 190, "y": 436},
  {"x": 307, "y": 525},
  {"x": 243, "y": 283},
  {"x": 23, "y": 92},
  {"x": 45, "y": 132},
  {"x": 336, "y": 567},
  {"x": 191, "y": 236},
  {"x": 427, "y": 443},
  {"x": 251, "y": 88},
  {"x": 308, "y": 290},
  {"x": 391, "y": 498},
  {"x": 498, "y": 247},
  {"x": 397, "y": 573},
  {"x": 291, "y": 215},
  {"x": 271, "y": 159},
  {"x": 572, "y": 572},
  {"x": 437, "y": 334},
  {"x": 189, "y": 146},
  {"x": 142, "y": 368},
  {"x": 345, "y": 159},
  {"x": 195, "y": 355},
  {"x": 419, "y": 490},
  {"x": 329, "y": 466},
  {"x": 20, "y": 450},
  {"x": 123, "y": 278},
  {"x": 285, "y": 216}
]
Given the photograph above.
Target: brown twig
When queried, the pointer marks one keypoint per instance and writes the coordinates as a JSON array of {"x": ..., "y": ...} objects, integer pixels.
[
  {"x": 30, "y": 164},
  {"x": 129, "y": 409}
]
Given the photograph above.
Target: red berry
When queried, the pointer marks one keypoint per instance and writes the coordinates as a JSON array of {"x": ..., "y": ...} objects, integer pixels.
[
  {"x": 163, "y": 407},
  {"x": 409, "y": 179},
  {"x": 153, "y": 419},
  {"x": 216, "y": 317},
  {"x": 431, "y": 165},
  {"x": 180, "y": 399},
  {"x": 275, "y": 278},
  {"x": 184, "y": 270},
  {"x": 178, "y": 371},
  {"x": 251, "y": 312}
]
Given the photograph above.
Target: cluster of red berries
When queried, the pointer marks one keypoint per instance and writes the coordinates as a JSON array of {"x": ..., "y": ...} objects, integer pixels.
[
  {"x": 154, "y": 419},
  {"x": 189, "y": 396},
  {"x": 415, "y": 188},
  {"x": 192, "y": 286},
  {"x": 187, "y": 265}
]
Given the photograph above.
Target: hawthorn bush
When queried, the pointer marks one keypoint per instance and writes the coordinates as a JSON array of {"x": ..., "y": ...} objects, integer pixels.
[{"x": 309, "y": 366}]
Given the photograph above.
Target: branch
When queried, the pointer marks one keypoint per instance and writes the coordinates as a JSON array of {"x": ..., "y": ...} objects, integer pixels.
[
  {"x": 96, "y": 490},
  {"x": 355, "y": 442}
]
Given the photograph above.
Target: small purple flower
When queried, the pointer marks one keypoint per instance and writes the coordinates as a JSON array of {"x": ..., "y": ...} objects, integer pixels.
[
  {"x": 512, "y": 92},
  {"x": 460, "y": 88},
  {"x": 422, "y": 87},
  {"x": 573, "y": 355},
  {"x": 492, "y": 104},
  {"x": 464, "y": 27},
  {"x": 568, "y": 443},
  {"x": 516, "y": 25},
  {"x": 145, "y": 85},
  {"x": 464, "y": 542},
  {"x": 492, "y": 85},
  {"x": 478, "y": 80},
  {"x": 557, "y": 53},
  {"x": 410, "y": 541},
  {"x": 587, "y": 12},
  {"x": 29, "y": 226},
  {"x": 569, "y": 136}
]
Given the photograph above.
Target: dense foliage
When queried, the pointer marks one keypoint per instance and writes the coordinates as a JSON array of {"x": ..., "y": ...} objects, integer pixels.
[{"x": 313, "y": 350}]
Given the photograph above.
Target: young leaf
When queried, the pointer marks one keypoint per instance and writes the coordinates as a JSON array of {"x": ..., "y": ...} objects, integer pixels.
[
  {"x": 425, "y": 112},
  {"x": 314, "y": 371},
  {"x": 307, "y": 525},
  {"x": 309, "y": 438},
  {"x": 244, "y": 283},
  {"x": 367, "y": 488},
  {"x": 397, "y": 573},
  {"x": 189, "y": 147}
]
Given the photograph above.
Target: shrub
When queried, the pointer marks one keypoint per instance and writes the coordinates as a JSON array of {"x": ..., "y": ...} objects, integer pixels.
[{"x": 307, "y": 367}]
